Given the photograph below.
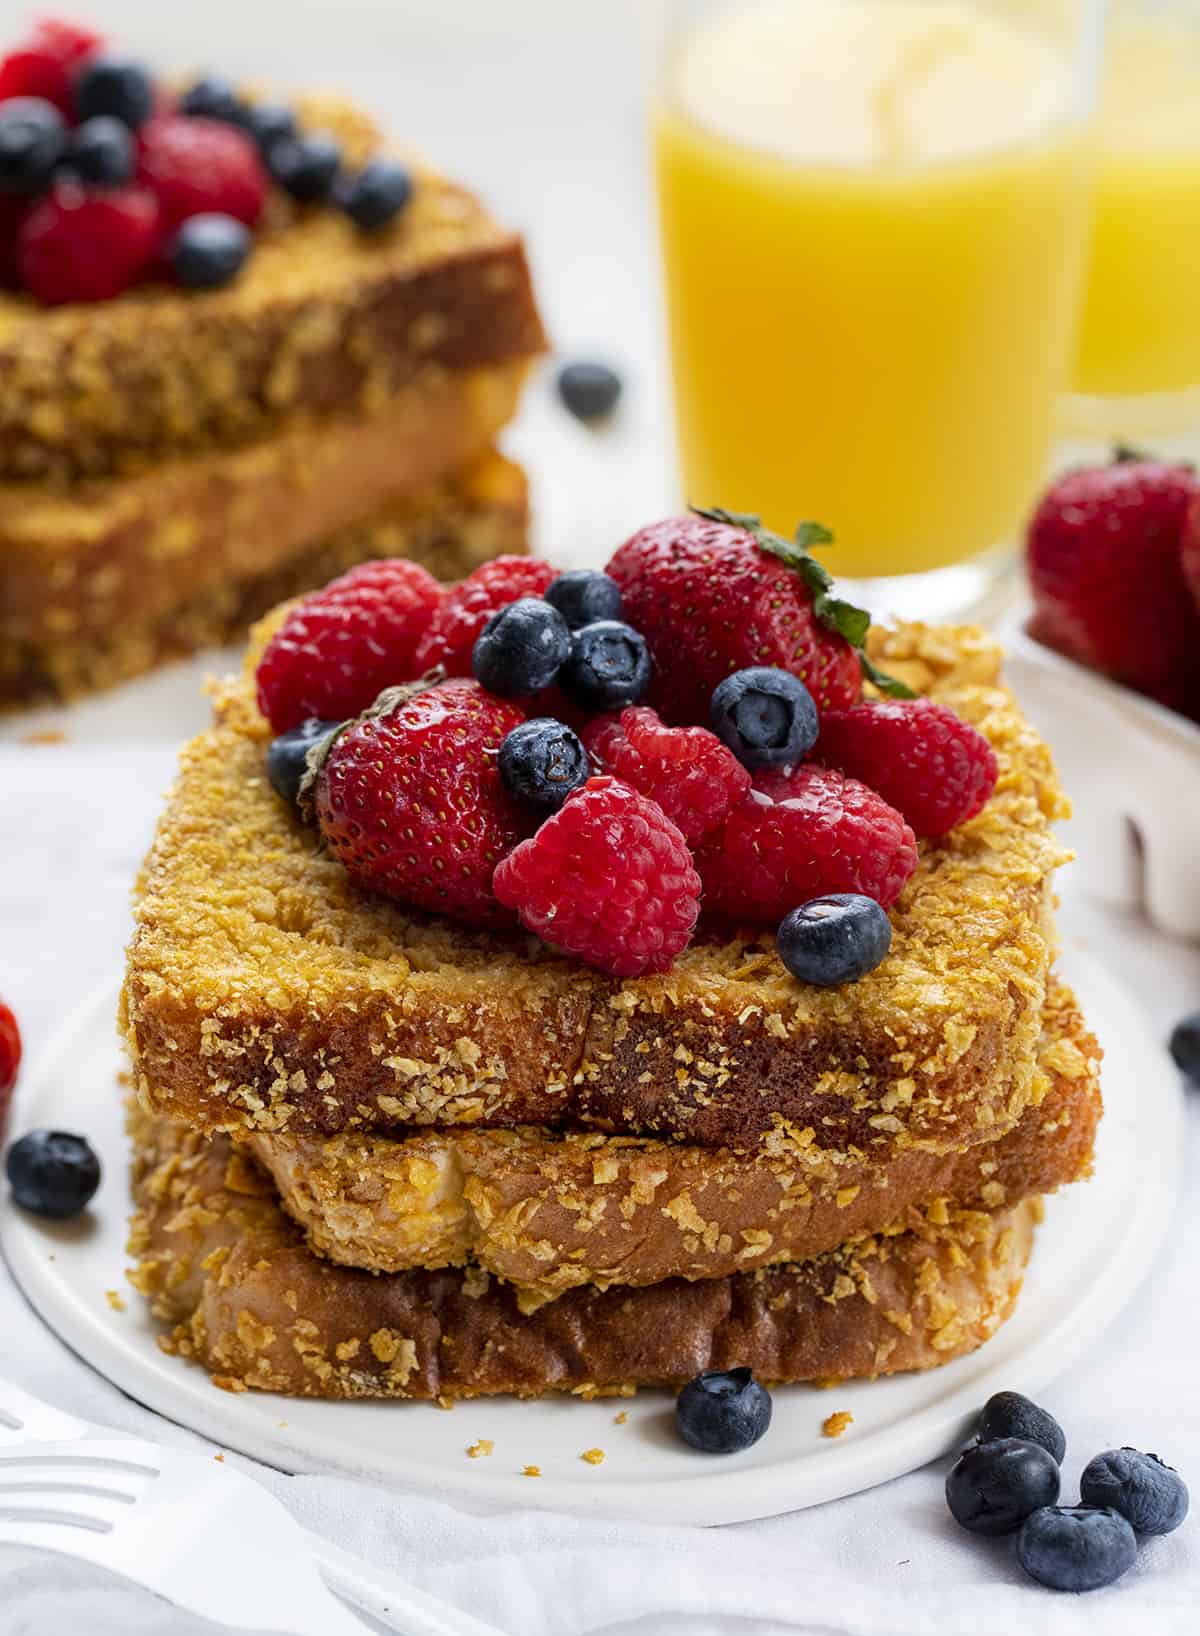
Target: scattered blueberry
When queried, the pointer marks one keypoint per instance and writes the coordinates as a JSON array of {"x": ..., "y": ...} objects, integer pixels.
[
  {"x": 609, "y": 666},
  {"x": 209, "y": 250},
  {"x": 992, "y": 1487},
  {"x": 582, "y": 596},
  {"x": 1148, "y": 1493},
  {"x": 1185, "y": 1046},
  {"x": 116, "y": 86},
  {"x": 52, "y": 1173},
  {"x": 521, "y": 649},
  {"x": 100, "y": 152},
  {"x": 1075, "y": 1548},
  {"x": 589, "y": 391},
  {"x": 306, "y": 166},
  {"x": 723, "y": 1411},
  {"x": 1008, "y": 1414},
  {"x": 268, "y": 123},
  {"x": 765, "y": 715},
  {"x": 213, "y": 98},
  {"x": 33, "y": 135},
  {"x": 542, "y": 761},
  {"x": 835, "y": 939},
  {"x": 376, "y": 195},
  {"x": 287, "y": 756}
]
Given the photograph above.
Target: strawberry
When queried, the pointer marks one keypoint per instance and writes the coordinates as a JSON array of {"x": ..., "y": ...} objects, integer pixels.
[{"x": 46, "y": 63}]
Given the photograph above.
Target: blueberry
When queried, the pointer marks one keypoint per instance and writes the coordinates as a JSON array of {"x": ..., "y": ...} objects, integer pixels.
[
  {"x": 52, "y": 1173},
  {"x": 582, "y": 596},
  {"x": 287, "y": 755},
  {"x": 835, "y": 939},
  {"x": 1008, "y": 1414},
  {"x": 213, "y": 98},
  {"x": 1075, "y": 1548},
  {"x": 1185, "y": 1047},
  {"x": 521, "y": 649},
  {"x": 992, "y": 1487},
  {"x": 33, "y": 136},
  {"x": 306, "y": 166},
  {"x": 116, "y": 86},
  {"x": 1148, "y": 1493},
  {"x": 376, "y": 195},
  {"x": 268, "y": 123},
  {"x": 723, "y": 1411},
  {"x": 589, "y": 391},
  {"x": 209, "y": 250},
  {"x": 100, "y": 152},
  {"x": 541, "y": 762},
  {"x": 609, "y": 666},
  {"x": 765, "y": 715}
]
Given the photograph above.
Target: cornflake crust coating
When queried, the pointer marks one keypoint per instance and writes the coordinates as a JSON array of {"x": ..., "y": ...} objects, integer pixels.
[
  {"x": 548, "y": 1212},
  {"x": 450, "y": 527},
  {"x": 223, "y": 1266},
  {"x": 265, "y": 992},
  {"x": 321, "y": 319}
]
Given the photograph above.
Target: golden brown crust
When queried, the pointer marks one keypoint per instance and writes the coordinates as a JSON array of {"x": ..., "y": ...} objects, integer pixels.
[
  {"x": 548, "y": 1211},
  {"x": 323, "y": 318},
  {"x": 221, "y": 1263},
  {"x": 265, "y": 991},
  {"x": 452, "y": 527}
]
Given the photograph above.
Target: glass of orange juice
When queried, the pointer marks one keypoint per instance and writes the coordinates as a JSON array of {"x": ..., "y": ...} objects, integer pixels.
[{"x": 874, "y": 216}]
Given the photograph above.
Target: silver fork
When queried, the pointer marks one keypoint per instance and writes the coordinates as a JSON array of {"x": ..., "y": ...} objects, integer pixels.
[{"x": 191, "y": 1528}]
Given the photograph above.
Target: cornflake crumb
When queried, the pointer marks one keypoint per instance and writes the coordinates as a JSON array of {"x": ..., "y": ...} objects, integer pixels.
[
  {"x": 46, "y": 735},
  {"x": 445, "y": 1402},
  {"x": 594, "y": 1457},
  {"x": 219, "y": 1457},
  {"x": 620, "y": 1419},
  {"x": 531, "y": 1471},
  {"x": 283, "y": 1425},
  {"x": 115, "y": 1300},
  {"x": 837, "y": 1423},
  {"x": 481, "y": 1446}
]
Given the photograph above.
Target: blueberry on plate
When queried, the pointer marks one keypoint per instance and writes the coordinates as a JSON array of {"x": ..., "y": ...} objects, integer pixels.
[
  {"x": 541, "y": 762},
  {"x": 52, "y": 1173},
  {"x": 100, "y": 152},
  {"x": 589, "y": 391},
  {"x": 287, "y": 756},
  {"x": 765, "y": 715},
  {"x": 213, "y": 98},
  {"x": 992, "y": 1487},
  {"x": 268, "y": 123},
  {"x": 33, "y": 136},
  {"x": 209, "y": 250},
  {"x": 117, "y": 86},
  {"x": 608, "y": 668},
  {"x": 376, "y": 194},
  {"x": 723, "y": 1411},
  {"x": 521, "y": 649},
  {"x": 1148, "y": 1493},
  {"x": 306, "y": 166},
  {"x": 583, "y": 595},
  {"x": 1075, "y": 1548},
  {"x": 835, "y": 939},
  {"x": 1008, "y": 1414},
  {"x": 1185, "y": 1047}
]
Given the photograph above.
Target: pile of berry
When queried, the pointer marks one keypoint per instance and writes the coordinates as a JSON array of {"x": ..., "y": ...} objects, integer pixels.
[
  {"x": 106, "y": 179},
  {"x": 600, "y": 755}
]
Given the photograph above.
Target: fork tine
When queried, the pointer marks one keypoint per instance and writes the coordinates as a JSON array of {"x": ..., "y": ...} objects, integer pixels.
[
  {"x": 23, "y": 1416},
  {"x": 89, "y": 1489},
  {"x": 18, "y": 1516}
]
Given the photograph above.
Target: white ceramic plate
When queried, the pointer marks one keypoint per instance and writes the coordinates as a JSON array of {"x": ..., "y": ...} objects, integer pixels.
[{"x": 1098, "y": 1241}]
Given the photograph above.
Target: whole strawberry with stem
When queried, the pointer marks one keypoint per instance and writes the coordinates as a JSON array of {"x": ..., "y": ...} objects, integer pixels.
[
  {"x": 1105, "y": 552},
  {"x": 409, "y": 798},
  {"x": 714, "y": 592}
]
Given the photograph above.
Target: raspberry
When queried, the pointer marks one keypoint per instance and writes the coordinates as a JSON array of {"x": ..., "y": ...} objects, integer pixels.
[
  {"x": 917, "y": 754},
  {"x": 10, "y": 1055},
  {"x": 450, "y": 639},
  {"x": 200, "y": 167},
  {"x": 695, "y": 780},
  {"x": 45, "y": 65},
  {"x": 709, "y": 600},
  {"x": 609, "y": 879},
  {"x": 800, "y": 835},
  {"x": 77, "y": 246},
  {"x": 412, "y": 802},
  {"x": 344, "y": 644}
]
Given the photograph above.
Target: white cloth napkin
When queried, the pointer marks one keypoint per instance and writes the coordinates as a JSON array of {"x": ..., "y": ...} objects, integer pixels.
[{"x": 74, "y": 820}]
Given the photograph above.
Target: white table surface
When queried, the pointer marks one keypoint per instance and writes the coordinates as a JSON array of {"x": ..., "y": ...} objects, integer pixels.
[{"x": 537, "y": 102}]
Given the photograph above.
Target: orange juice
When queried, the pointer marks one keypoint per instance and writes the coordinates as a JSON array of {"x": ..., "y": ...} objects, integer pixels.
[
  {"x": 873, "y": 219},
  {"x": 1141, "y": 328}
]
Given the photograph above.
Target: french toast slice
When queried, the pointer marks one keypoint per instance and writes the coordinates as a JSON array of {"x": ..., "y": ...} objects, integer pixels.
[
  {"x": 548, "y": 1211},
  {"x": 450, "y": 526},
  {"x": 220, "y": 1262},
  {"x": 265, "y": 991},
  {"x": 322, "y": 319}
]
